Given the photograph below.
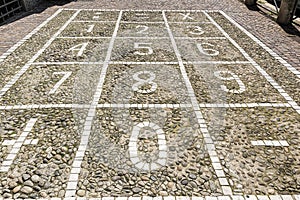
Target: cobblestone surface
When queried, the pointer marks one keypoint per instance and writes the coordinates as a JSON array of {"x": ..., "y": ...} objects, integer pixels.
[{"x": 143, "y": 103}]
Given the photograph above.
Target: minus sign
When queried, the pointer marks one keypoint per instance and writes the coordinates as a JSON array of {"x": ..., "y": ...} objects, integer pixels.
[{"x": 141, "y": 14}]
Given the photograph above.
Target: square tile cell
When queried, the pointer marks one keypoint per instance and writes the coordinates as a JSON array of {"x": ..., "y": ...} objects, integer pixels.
[
  {"x": 141, "y": 16},
  {"x": 89, "y": 29},
  {"x": 54, "y": 84},
  {"x": 186, "y": 17},
  {"x": 143, "y": 50},
  {"x": 144, "y": 84},
  {"x": 263, "y": 170},
  {"x": 49, "y": 157},
  {"x": 195, "y": 30},
  {"x": 87, "y": 15},
  {"x": 142, "y": 30},
  {"x": 208, "y": 50},
  {"x": 165, "y": 156},
  {"x": 72, "y": 50},
  {"x": 231, "y": 84}
]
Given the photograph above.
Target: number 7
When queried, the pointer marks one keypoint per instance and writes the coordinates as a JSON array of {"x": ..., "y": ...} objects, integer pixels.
[{"x": 60, "y": 82}]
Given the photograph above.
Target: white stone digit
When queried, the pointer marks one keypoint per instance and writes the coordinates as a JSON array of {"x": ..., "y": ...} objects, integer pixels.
[
  {"x": 90, "y": 28},
  {"x": 208, "y": 52},
  {"x": 80, "y": 48},
  {"x": 60, "y": 82},
  {"x": 186, "y": 16},
  {"x": 97, "y": 15},
  {"x": 197, "y": 31},
  {"x": 140, "y": 82},
  {"x": 162, "y": 147},
  {"x": 142, "y": 46},
  {"x": 233, "y": 77},
  {"x": 143, "y": 29},
  {"x": 17, "y": 144}
]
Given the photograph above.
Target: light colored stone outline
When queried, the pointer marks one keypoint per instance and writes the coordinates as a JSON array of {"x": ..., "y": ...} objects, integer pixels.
[
  {"x": 252, "y": 197},
  {"x": 260, "y": 43},
  {"x": 108, "y": 105},
  {"x": 27, "y": 65},
  {"x": 275, "y": 143},
  {"x": 5, "y": 166},
  {"x": 142, "y": 63},
  {"x": 28, "y": 36},
  {"x": 209, "y": 144},
  {"x": 224, "y": 197},
  {"x": 257, "y": 67},
  {"x": 162, "y": 147},
  {"x": 76, "y": 166}
]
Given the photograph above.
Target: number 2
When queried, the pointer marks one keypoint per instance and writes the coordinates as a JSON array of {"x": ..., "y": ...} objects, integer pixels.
[{"x": 143, "y": 29}]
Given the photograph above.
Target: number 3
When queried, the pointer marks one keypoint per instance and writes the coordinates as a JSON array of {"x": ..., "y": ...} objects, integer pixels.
[{"x": 197, "y": 31}]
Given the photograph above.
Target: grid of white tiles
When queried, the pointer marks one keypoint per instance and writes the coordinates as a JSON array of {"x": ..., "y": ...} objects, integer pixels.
[
  {"x": 71, "y": 188},
  {"x": 27, "y": 37},
  {"x": 17, "y": 144},
  {"x": 76, "y": 166},
  {"x": 256, "y": 66},
  {"x": 209, "y": 144},
  {"x": 28, "y": 64},
  {"x": 227, "y": 197},
  {"x": 107, "y": 105}
]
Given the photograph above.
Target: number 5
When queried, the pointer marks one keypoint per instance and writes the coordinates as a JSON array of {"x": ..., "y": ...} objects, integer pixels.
[
  {"x": 143, "y": 46},
  {"x": 208, "y": 52}
]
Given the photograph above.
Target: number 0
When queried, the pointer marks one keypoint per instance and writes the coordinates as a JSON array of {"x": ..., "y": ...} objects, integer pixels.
[{"x": 162, "y": 147}]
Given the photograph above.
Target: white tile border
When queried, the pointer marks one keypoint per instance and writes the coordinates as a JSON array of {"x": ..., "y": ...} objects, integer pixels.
[
  {"x": 258, "y": 68},
  {"x": 67, "y": 63},
  {"x": 284, "y": 197},
  {"x": 265, "y": 47},
  {"x": 27, "y": 37},
  {"x": 275, "y": 143},
  {"x": 5, "y": 166},
  {"x": 72, "y": 183},
  {"x": 207, "y": 139},
  {"x": 27, "y": 65},
  {"x": 223, "y": 197},
  {"x": 141, "y": 10},
  {"x": 112, "y": 105}
]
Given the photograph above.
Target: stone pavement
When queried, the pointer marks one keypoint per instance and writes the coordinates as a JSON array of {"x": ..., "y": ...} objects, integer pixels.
[{"x": 164, "y": 99}]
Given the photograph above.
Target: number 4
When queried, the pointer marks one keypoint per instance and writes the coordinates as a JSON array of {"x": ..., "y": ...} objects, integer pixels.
[{"x": 60, "y": 82}]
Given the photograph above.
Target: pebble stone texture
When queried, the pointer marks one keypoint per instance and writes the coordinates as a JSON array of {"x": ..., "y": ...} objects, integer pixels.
[{"x": 150, "y": 100}]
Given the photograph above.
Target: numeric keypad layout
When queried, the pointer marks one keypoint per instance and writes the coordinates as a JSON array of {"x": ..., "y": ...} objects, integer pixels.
[{"x": 146, "y": 103}]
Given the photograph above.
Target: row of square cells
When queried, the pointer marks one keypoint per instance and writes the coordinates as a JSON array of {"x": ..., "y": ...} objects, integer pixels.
[
  {"x": 141, "y": 84},
  {"x": 140, "y": 29},
  {"x": 141, "y": 50},
  {"x": 140, "y": 16}
]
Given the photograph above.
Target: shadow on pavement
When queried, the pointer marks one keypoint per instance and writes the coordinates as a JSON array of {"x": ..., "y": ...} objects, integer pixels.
[
  {"x": 289, "y": 29},
  {"x": 40, "y": 8}
]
